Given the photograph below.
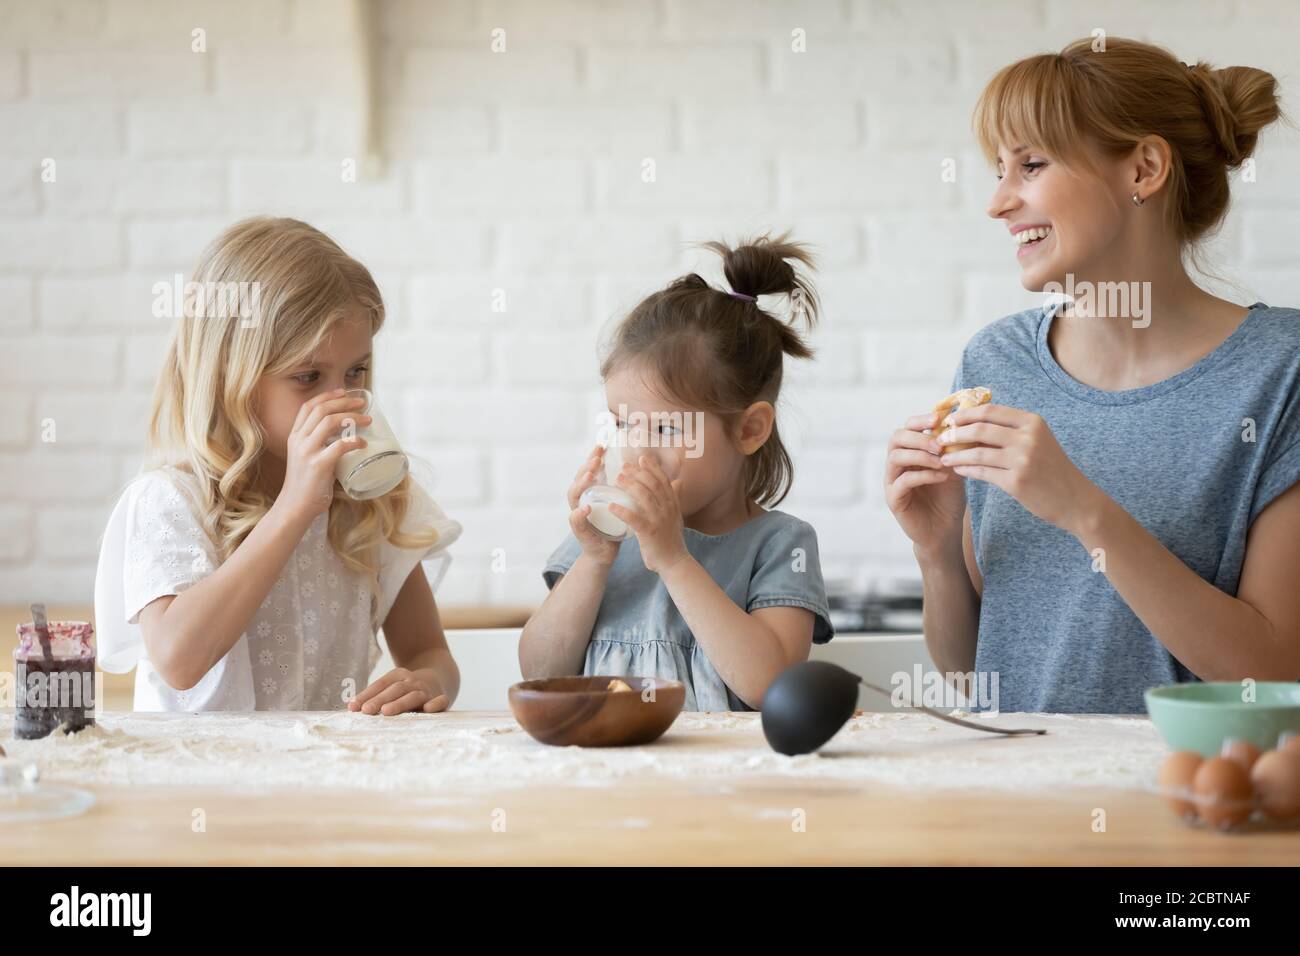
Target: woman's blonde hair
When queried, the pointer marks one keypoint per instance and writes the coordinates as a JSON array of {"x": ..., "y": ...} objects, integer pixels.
[
  {"x": 297, "y": 286},
  {"x": 1110, "y": 96}
]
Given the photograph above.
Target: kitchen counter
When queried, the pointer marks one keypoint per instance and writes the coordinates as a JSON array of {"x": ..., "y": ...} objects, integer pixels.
[{"x": 472, "y": 787}]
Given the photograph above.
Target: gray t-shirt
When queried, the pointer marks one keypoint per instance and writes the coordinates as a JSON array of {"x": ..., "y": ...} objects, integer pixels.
[
  {"x": 769, "y": 561},
  {"x": 1176, "y": 455}
]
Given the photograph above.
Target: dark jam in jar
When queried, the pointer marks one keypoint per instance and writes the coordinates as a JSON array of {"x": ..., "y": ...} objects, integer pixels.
[{"x": 59, "y": 692}]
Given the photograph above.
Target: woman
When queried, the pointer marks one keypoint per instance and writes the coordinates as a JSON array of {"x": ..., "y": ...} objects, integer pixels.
[{"x": 1130, "y": 514}]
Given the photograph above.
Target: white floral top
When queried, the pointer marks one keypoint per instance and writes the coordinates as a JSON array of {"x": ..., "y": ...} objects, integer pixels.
[{"x": 310, "y": 646}]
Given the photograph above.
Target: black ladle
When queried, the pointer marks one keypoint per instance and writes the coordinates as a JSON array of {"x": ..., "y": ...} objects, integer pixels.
[{"x": 808, "y": 703}]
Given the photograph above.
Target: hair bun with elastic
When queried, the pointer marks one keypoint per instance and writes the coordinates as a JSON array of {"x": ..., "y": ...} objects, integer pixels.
[
  {"x": 1238, "y": 102},
  {"x": 766, "y": 266}
]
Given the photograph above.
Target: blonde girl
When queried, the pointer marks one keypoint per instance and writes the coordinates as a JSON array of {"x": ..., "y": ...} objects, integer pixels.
[{"x": 234, "y": 573}]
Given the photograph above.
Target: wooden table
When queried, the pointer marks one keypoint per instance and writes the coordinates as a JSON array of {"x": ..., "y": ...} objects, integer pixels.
[{"x": 638, "y": 815}]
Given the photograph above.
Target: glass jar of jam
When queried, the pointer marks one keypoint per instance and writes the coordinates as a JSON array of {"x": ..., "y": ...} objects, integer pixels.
[{"x": 58, "y": 691}]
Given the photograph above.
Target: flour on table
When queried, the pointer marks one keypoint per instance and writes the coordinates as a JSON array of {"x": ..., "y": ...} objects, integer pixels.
[{"x": 439, "y": 755}]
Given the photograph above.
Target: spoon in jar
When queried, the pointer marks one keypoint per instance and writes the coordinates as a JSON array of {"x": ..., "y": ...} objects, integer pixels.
[{"x": 42, "y": 629}]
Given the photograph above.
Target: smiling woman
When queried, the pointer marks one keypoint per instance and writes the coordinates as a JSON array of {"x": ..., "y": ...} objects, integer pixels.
[
  {"x": 1105, "y": 540},
  {"x": 1096, "y": 99}
]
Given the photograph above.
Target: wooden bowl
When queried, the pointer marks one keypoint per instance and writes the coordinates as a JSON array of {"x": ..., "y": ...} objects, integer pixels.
[{"x": 569, "y": 711}]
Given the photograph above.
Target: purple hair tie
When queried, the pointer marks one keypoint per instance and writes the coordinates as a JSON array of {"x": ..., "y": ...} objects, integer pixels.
[{"x": 741, "y": 295}]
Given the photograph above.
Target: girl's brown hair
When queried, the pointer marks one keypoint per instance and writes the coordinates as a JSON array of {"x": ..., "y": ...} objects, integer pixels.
[
  {"x": 1111, "y": 94},
  {"x": 718, "y": 351}
]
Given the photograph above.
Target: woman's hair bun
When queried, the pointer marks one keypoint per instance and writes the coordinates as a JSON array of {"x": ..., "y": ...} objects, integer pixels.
[{"x": 1239, "y": 101}]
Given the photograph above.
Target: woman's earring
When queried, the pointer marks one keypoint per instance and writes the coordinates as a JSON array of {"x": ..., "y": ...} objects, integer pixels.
[{"x": 1138, "y": 200}]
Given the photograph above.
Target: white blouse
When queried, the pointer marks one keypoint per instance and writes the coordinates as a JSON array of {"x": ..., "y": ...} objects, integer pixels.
[{"x": 310, "y": 646}]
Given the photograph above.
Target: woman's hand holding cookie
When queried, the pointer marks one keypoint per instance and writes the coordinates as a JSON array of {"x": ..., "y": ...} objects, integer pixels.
[
  {"x": 1017, "y": 451},
  {"x": 924, "y": 497}
]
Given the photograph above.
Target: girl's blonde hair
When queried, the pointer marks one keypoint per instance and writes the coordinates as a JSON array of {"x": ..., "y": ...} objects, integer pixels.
[
  {"x": 302, "y": 285},
  {"x": 1111, "y": 97},
  {"x": 720, "y": 353}
]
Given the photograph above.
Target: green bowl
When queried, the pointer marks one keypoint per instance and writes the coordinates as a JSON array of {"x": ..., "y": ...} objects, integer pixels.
[{"x": 1200, "y": 717}]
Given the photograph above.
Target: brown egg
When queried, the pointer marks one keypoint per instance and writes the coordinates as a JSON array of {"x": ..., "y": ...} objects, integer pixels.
[
  {"x": 1276, "y": 777},
  {"x": 1175, "y": 781},
  {"x": 1240, "y": 751},
  {"x": 1224, "y": 796},
  {"x": 1289, "y": 740}
]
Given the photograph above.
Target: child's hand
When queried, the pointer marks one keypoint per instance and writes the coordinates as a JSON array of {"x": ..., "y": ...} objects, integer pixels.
[
  {"x": 657, "y": 520},
  {"x": 400, "y": 691},
  {"x": 599, "y": 549},
  {"x": 310, "y": 462}
]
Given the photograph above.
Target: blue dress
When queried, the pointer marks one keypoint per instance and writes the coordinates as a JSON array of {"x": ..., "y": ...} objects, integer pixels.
[{"x": 770, "y": 561}]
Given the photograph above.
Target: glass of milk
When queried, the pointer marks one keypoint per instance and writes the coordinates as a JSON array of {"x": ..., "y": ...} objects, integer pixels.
[
  {"x": 624, "y": 445},
  {"x": 381, "y": 465}
]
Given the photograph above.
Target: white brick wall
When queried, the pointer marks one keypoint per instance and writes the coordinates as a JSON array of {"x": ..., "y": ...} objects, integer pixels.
[{"x": 521, "y": 172}]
